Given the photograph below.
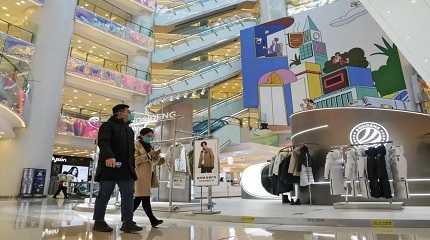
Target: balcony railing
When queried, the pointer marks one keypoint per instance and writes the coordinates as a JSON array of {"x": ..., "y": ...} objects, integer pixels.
[
  {"x": 151, "y": 4},
  {"x": 116, "y": 79},
  {"x": 108, "y": 64},
  {"x": 135, "y": 34}
]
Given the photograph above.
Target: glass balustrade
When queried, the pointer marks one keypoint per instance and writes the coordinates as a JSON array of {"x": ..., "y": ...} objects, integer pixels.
[
  {"x": 107, "y": 76},
  {"x": 16, "y": 42},
  {"x": 108, "y": 22}
]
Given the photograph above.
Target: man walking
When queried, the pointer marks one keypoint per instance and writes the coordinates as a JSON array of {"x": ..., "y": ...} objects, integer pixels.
[{"x": 116, "y": 167}]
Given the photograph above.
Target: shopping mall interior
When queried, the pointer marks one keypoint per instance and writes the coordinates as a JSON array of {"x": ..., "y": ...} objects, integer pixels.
[{"x": 316, "y": 114}]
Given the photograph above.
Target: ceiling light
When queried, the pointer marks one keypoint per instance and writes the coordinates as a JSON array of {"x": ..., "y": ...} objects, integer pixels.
[
  {"x": 86, "y": 5},
  {"x": 70, "y": 100},
  {"x": 18, "y": 3},
  {"x": 107, "y": 99},
  {"x": 80, "y": 47},
  {"x": 4, "y": 8},
  {"x": 7, "y": 15},
  {"x": 75, "y": 98},
  {"x": 89, "y": 94},
  {"x": 75, "y": 91},
  {"x": 107, "y": 53},
  {"x": 94, "y": 47},
  {"x": 87, "y": 105},
  {"x": 79, "y": 41},
  {"x": 91, "y": 51},
  {"x": 100, "y": 104},
  {"x": 23, "y": 2}
]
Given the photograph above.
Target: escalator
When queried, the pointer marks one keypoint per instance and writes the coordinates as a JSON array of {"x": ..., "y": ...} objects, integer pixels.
[
  {"x": 227, "y": 130},
  {"x": 204, "y": 40},
  {"x": 404, "y": 22},
  {"x": 228, "y": 107},
  {"x": 193, "y": 10},
  {"x": 210, "y": 75}
]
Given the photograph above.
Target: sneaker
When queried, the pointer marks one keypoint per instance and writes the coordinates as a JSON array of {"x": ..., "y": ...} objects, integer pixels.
[
  {"x": 102, "y": 226},
  {"x": 156, "y": 223},
  {"x": 130, "y": 228}
]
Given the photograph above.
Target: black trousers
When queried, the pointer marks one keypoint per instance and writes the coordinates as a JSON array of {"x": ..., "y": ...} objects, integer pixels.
[
  {"x": 146, "y": 204},
  {"x": 61, "y": 189},
  {"x": 126, "y": 188}
]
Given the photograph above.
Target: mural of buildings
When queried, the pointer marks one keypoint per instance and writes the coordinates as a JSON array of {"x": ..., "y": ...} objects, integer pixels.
[
  {"x": 308, "y": 84},
  {"x": 313, "y": 49}
]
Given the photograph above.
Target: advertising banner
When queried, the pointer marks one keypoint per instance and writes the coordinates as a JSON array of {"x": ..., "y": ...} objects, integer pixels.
[
  {"x": 206, "y": 163},
  {"x": 17, "y": 48},
  {"x": 107, "y": 76},
  {"x": 79, "y": 127},
  {"x": 12, "y": 95},
  {"x": 38, "y": 182}
]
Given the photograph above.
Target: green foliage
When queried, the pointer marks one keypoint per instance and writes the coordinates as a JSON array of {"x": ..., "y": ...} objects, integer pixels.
[
  {"x": 389, "y": 77},
  {"x": 296, "y": 61}
]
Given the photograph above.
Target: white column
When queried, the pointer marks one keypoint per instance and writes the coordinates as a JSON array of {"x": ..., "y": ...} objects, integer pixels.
[
  {"x": 143, "y": 60},
  {"x": 272, "y": 10},
  {"x": 138, "y": 103},
  {"x": 32, "y": 148}
]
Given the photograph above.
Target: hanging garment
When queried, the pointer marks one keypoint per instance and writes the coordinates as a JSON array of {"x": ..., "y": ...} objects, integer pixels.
[
  {"x": 306, "y": 173},
  {"x": 377, "y": 173},
  {"x": 295, "y": 164},
  {"x": 177, "y": 158},
  {"x": 334, "y": 171},
  {"x": 351, "y": 169},
  {"x": 285, "y": 179},
  {"x": 277, "y": 162},
  {"x": 398, "y": 166},
  {"x": 362, "y": 172}
]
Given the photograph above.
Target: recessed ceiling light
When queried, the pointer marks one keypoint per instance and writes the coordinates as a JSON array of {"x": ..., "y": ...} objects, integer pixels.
[
  {"x": 75, "y": 91},
  {"x": 18, "y": 3},
  {"x": 7, "y": 15},
  {"x": 23, "y": 2},
  {"x": 91, "y": 51},
  {"x": 100, "y": 104},
  {"x": 107, "y": 99},
  {"x": 75, "y": 98},
  {"x": 86, "y": 5},
  {"x": 107, "y": 53},
  {"x": 70, "y": 100},
  {"x": 87, "y": 105},
  {"x": 79, "y": 41},
  {"x": 89, "y": 94},
  {"x": 4, "y": 8},
  {"x": 94, "y": 47},
  {"x": 80, "y": 47}
]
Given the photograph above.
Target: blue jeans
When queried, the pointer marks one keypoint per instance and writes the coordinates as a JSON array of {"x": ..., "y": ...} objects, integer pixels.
[{"x": 126, "y": 188}]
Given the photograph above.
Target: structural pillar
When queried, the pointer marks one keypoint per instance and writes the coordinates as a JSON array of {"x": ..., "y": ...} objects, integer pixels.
[{"x": 32, "y": 147}]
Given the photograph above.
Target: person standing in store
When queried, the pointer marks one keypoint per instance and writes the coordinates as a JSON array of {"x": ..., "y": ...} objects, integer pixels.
[
  {"x": 207, "y": 158},
  {"x": 146, "y": 158},
  {"x": 116, "y": 167},
  {"x": 62, "y": 185}
]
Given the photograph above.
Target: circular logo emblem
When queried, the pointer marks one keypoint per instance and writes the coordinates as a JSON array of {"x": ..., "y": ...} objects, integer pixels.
[{"x": 368, "y": 133}]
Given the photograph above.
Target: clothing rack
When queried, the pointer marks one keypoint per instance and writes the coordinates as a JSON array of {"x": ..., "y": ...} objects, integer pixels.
[{"x": 366, "y": 205}]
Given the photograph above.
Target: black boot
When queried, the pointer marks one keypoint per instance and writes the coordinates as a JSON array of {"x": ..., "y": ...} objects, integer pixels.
[
  {"x": 297, "y": 202},
  {"x": 130, "y": 227},
  {"x": 285, "y": 199},
  {"x": 102, "y": 226},
  {"x": 156, "y": 223}
]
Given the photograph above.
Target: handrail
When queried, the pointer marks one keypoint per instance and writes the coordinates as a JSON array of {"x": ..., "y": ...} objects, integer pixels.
[
  {"x": 201, "y": 71},
  {"x": 230, "y": 99},
  {"x": 222, "y": 119},
  {"x": 137, "y": 27},
  {"x": 206, "y": 31},
  {"x": 186, "y": 5},
  {"x": 123, "y": 68},
  {"x": 10, "y": 25}
]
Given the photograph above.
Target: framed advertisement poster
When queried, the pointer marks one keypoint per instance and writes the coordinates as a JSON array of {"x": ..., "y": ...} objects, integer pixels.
[{"x": 206, "y": 163}]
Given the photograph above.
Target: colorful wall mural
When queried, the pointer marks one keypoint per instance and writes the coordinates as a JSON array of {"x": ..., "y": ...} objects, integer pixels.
[{"x": 335, "y": 56}]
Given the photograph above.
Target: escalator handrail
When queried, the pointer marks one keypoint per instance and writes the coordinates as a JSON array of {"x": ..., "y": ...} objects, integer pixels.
[
  {"x": 201, "y": 71},
  {"x": 171, "y": 44},
  {"x": 222, "y": 119},
  {"x": 185, "y": 5},
  {"x": 230, "y": 99}
]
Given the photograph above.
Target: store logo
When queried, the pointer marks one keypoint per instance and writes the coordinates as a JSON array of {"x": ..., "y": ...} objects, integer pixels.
[
  {"x": 368, "y": 133},
  {"x": 54, "y": 159}
]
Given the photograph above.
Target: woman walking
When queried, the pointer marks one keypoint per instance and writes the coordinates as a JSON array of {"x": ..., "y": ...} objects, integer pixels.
[{"x": 146, "y": 159}]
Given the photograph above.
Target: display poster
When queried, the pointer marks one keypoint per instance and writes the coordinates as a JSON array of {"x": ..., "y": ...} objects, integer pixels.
[
  {"x": 39, "y": 176},
  {"x": 206, "y": 162},
  {"x": 79, "y": 173},
  {"x": 27, "y": 181}
]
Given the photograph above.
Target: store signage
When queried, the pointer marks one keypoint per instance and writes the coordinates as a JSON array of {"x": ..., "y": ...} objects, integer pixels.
[
  {"x": 142, "y": 118},
  {"x": 368, "y": 133},
  {"x": 58, "y": 159}
]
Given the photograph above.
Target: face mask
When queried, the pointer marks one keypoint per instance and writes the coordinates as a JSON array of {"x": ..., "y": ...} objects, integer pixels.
[
  {"x": 131, "y": 117},
  {"x": 148, "y": 139}
]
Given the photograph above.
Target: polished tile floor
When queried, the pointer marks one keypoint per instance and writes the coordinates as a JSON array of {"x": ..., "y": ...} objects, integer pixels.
[{"x": 50, "y": 219}]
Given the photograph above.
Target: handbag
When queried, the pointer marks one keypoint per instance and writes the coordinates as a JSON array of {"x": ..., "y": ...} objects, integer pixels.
[
  {"x": 154, "y": 181},
  {"x": 306, "y": 176}
]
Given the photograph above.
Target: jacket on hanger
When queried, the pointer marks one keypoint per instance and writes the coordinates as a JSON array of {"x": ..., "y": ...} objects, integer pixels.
[
  {"x": 377, "y": 172},
  {"x": 334, "y": 171}
]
